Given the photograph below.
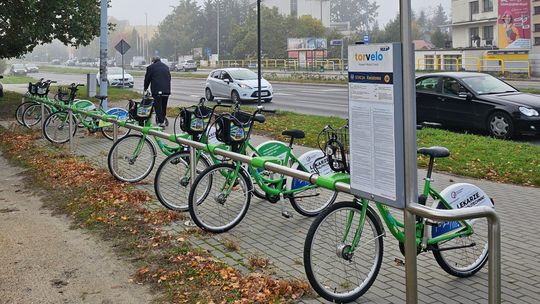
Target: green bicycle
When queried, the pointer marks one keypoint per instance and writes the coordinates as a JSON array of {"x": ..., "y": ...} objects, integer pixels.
[
  {"x": 221, "y": 194},
  {"x": 29, "y": 113},
  {"x": 132, "y": 158},
  {"x": 29, "y": 99},
  {"x": 344, "y": 246},
  {"x": 56, "y": 126},
  {"x": 173, "y": 176}
]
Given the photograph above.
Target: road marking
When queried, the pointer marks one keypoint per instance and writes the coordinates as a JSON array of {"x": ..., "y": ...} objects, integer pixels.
[{"x": 282, "y": 94}]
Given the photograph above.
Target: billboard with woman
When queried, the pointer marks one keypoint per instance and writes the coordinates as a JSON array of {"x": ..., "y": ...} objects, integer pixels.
[{"x": 514, "y": 24}]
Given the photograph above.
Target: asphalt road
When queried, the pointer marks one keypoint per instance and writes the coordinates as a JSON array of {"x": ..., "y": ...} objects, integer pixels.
[
  {"x": 328, "y": 100},
  {"x": 309, "y": 99}
]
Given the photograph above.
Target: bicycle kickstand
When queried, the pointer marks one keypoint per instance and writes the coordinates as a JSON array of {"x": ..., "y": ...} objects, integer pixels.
[{"x": 284, "y": 213}]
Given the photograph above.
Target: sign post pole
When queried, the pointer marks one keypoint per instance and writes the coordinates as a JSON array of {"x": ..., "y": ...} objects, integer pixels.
[
  {"x": 383, "y": 154},
  {"x": 342, "y": 63},
  {"x": 122, "y": 47},
  {"x": 409, "y": 129}
]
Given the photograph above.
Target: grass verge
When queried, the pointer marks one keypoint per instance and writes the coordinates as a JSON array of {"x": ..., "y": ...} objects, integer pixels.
[
  {"x": 531, "y": 90},
  {"x": 116, "y": 212},
  {"x": 17, "y": 79},
  {"x": 471, "y": 155},
  {"x": 8, "y": 104}
]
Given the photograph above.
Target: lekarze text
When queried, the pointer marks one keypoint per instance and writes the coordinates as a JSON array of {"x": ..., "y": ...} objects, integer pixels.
[{"x": 471, "y": 201}]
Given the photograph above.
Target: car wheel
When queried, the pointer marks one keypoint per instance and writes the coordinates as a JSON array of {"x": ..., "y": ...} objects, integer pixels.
[
  {"x": 235, "y": 97},
  {"x": 500, "y": 125},
  {"x": 208, "y": 94}
]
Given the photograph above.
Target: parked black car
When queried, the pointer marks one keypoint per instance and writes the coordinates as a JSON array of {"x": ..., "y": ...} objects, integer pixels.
[{"x": 476, "y": 101}]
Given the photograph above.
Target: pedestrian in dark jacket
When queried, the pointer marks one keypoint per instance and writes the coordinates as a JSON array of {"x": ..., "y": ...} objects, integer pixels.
[{"x": 158, "y": 78}]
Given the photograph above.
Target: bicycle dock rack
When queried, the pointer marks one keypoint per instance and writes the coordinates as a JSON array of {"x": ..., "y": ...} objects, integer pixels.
[{"x": 411, "y": 211}]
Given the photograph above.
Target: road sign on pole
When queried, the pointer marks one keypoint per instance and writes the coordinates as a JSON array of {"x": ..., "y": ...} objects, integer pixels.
[
  {"x": 122, "y": 47},
  {"x": 336, "y": 42},
  {"x": 366, "y": 38}
]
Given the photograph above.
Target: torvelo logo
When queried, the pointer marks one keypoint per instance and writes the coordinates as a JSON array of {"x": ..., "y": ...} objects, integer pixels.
[{"x": 376, "y": 56}]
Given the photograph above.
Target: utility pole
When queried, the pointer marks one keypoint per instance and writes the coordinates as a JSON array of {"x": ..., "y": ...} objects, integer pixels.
[
  {"x": 103, "y": 47},
  {"x": 147, "y": 57},
  {"x": 217, "y": 9}
]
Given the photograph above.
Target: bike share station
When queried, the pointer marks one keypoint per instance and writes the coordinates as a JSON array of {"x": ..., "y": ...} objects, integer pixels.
[{"x": 382, "y": 147}]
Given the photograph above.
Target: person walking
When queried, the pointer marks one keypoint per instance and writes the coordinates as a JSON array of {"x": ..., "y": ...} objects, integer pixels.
[{"x": 158, "y": 78}]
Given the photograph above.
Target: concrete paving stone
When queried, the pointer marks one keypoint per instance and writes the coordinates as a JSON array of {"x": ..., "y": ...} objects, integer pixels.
[{"x": 266, "y": 233}]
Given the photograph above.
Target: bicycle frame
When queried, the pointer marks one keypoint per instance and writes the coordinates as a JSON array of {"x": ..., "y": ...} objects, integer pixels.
[{"x": 397, "y": 228}]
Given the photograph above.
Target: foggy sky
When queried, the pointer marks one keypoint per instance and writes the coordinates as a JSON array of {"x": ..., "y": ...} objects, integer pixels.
[{"x": 134, "y": 11}]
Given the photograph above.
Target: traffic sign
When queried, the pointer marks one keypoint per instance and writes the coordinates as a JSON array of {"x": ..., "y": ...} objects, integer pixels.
[
  {"x": 366, "y": 38},
  {"x": 122, "y": 47},
  {"x": 336, "y": 42},
  {"x": 208, "y": 52}
]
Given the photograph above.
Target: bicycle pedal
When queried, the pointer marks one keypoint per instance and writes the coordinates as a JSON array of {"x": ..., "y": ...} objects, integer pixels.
[{"x": 286, "y": 214}]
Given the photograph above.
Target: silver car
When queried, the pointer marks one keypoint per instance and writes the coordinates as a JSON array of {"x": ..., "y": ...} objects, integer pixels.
[
  {"x": 237, "y": 84},
  {"x": 187, "y": 65}
]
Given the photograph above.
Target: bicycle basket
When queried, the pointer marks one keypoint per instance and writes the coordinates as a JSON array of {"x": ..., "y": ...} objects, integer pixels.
[
  {"x": 43, "y": 90},
  {"x": 335, "y": 145},
  {"x": 233, "y": 128},
  {"x": 63, "y": 95},
  {"x": 32, "y": 88},
  {"x": 141, "y": 111},
  {"x": 144, "y": 109},
  {"x": 194, "y": 120}
]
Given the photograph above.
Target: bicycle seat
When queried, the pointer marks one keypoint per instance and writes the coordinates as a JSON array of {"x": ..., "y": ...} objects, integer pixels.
[
  {"x": 259, "y": 118},
  {"x": 101, "y": 97},
  {"x": 434, "y": 151},
  {"x": 297, "y": 134}
]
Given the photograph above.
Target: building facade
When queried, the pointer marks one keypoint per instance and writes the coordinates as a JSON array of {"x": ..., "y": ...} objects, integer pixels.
[
  {"x": 502, "y": 24},
  {"x": 318, "y": 9},
  {"x": 536, "y": 25}
]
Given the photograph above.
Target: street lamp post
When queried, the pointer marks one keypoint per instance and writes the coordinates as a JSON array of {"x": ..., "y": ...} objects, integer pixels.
[
  {"x": 146, "y": 38},
  {"x": 217, "y": 9}
]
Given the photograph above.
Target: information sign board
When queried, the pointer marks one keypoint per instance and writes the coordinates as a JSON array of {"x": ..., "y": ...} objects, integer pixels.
[{"x": 376, "y": 123}]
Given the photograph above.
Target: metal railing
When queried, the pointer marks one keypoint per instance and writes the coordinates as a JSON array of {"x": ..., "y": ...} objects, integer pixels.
[
  {"x": 500, "y": 66},
  {"x": 494, "y": 232}
]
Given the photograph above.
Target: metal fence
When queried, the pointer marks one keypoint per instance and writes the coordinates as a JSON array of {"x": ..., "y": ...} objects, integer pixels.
[{"x": 499, "y": 66}]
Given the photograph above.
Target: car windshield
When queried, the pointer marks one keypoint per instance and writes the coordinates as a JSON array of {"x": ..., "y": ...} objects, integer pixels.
[
  {"x": 487, "y": 84},
  {"x": 18, "y": 66},
  {"x": 242, "y": 74},
  {"x": 31, "y": 66}
]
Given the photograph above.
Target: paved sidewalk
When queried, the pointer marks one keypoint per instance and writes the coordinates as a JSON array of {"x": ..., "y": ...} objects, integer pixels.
[{"x": 265, "y": 233}]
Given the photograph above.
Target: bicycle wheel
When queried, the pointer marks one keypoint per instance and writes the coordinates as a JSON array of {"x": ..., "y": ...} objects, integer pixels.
[
  {"x": 20, "y": 110},
  {"x": 335, "y": 274},
  {"x": 465, "y": 255},
  {"x": 32, "y": 115},
  {"x": 108, "y": 131},
  {"x": 131, "y": 158},
  {"x": 313, "y": 201},
  {"x": 172, "y": 181},
  {"x": 56, "y": 129},
  {"x": 218, "y": 201}
]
